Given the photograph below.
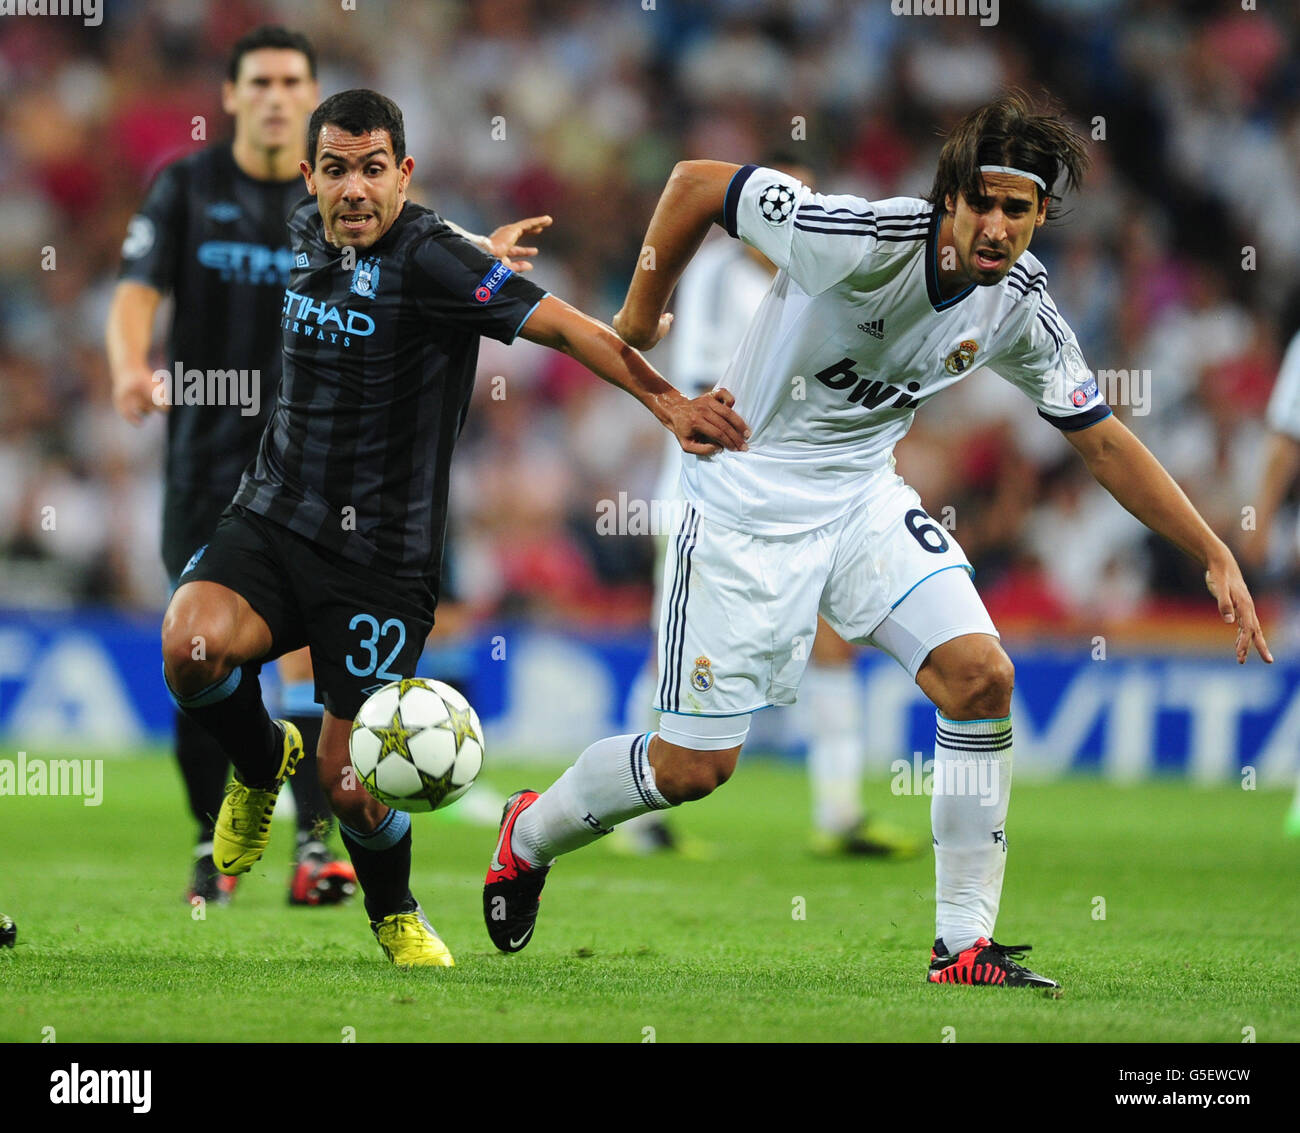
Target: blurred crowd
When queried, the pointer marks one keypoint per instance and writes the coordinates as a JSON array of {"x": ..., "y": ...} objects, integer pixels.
[{"x": 1178, "y": 261}]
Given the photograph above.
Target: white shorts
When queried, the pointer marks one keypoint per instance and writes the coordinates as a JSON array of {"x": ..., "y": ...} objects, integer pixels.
[{"x": 739, "y": 612}]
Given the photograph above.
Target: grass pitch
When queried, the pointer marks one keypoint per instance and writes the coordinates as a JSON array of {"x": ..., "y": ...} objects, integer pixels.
[{"x": 1169, "y": 912}]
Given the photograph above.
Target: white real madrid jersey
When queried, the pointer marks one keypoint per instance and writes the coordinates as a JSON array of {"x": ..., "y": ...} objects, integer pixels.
[
  {"x": 1284, "y": 404},
  {"x": 851, "y": 337},
  {"x": 716, "y": 299}
]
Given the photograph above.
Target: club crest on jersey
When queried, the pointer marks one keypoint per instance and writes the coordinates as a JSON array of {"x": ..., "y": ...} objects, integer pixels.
[
  {"x": 491, "y": 283},
  {"x": 702, "y": 675},
  {"x": 961, "y": 359},
  {"x": 365, "y": 278},
  {"x": 776, "y": 204},
  {"x": 194, "y": 559}
]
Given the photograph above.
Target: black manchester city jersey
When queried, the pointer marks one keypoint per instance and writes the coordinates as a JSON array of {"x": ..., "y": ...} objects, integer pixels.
[
  {"x": 380, "y": 348},
  {"x": 216, "y": 239}
]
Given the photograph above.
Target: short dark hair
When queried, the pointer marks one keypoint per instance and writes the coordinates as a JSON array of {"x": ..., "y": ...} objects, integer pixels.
[
  {"x": 358, "y": 112},
  {"x": 270, "y": 35},
  {"x": 1009, "y": 131}
]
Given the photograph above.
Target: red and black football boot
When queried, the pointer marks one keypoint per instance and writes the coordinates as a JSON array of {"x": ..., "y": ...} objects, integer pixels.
[
  {"x": 512, "y": 888},
  {"x": 319, "y": 878},
  {"x": 984, "y": 962}
]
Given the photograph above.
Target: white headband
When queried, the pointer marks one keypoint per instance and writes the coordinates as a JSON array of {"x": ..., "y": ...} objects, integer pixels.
[{"x": 1015, "y": 172}]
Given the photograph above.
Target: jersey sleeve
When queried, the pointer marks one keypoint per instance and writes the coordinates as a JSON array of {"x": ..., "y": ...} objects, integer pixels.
[
  {"x": 1047, "y": 364},
  {"x": 154, "y": 233},
  {"x": 819, "y": 239},
  {"x": 1284, "y": 404},
  {"x": 463, "y": 286}
]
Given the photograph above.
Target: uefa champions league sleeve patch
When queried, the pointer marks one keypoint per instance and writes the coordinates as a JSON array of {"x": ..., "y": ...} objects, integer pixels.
[{"x": 776, "y": 203}]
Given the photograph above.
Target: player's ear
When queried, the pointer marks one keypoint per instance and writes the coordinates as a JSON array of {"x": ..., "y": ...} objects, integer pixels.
[
  {"x": 307, "y": 175},
  {"x": 1041, "y": 218},
  {"x": 228, "y": 97},
  {"x": 949, "y": 203},
  {"x": 404, "y": 170}
]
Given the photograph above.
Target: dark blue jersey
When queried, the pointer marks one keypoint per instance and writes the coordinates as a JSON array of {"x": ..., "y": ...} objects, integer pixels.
[
  {"x": 379, "y": 363},
  {"x": 216, "y": 240}
]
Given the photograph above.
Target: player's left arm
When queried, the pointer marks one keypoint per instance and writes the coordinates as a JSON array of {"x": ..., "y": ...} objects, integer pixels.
[
  {"x": 702, "y": 425},
  {"x": 503, "y": 244},
  {"x": 1124, "y": 466}
]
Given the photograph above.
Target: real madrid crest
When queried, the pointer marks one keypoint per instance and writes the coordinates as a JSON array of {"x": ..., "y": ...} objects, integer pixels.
[
  {"x": 702, "y": 675},
  {"x": 961, "y": 359}
]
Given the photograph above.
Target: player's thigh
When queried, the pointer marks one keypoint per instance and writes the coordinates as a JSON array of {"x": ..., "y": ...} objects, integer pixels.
[
  {"x": 236, "y": 596},
  {"x": 943, "y": 636},
  {"x": 365, "y": 630},
  {"x": 295, "y": 667},
  {"x": 888, "y": 549},
  {"x": 738, "y": 618},
  {"x": 829, "y": 648}
]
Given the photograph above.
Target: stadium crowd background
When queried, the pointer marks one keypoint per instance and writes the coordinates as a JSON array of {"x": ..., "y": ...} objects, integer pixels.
[{"x": 1199, "y": 102}]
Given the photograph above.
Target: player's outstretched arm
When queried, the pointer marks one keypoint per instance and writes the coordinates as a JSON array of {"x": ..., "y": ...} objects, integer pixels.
[
  {"x": 1126, "y": 469},
  {"x": 127, "y": 336},
  {"x": 702, "y": 425},
  {"x": 503, "y": 244},
  {"x": 691, "y": 201}
]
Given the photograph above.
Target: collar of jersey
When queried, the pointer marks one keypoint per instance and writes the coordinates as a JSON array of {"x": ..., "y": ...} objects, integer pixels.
[{"x": 932, "y": 267}]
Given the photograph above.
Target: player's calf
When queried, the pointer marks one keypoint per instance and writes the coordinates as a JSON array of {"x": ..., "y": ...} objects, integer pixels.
[{"x": 685, "y": 774}]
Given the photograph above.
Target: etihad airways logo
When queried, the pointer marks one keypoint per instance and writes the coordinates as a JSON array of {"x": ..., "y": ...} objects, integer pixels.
[{"x": 324, "y": 321}]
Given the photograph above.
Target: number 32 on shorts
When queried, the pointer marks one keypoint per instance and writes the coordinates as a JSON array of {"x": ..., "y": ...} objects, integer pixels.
[{"x": 373, "y": 634}]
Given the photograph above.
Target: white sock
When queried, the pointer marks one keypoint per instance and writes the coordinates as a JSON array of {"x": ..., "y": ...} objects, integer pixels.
[
  {"x": 835, "y": 749},
  {"x": 968, "y": 814},
  {"x": 610, "y": 782}
]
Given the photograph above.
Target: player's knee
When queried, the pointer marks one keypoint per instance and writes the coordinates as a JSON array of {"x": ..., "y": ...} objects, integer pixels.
[
  {"x": 194, "y": 645},
  {"x": 984, "y": 687},
  {"x": 691, "y": 775}
]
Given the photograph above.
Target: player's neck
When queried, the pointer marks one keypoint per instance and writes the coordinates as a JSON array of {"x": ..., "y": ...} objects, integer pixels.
[
  {"x": 949, "y": 275},
  {"x": 280, "y": 164}
]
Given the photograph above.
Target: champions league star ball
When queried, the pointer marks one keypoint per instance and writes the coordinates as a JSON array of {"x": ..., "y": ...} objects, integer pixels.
[{"x": 416, "y": 745}]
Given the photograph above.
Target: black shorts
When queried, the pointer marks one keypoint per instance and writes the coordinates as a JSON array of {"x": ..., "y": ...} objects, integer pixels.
[
  {"x": 190, "y": 516},
  {"x": 364, "y": 628}
]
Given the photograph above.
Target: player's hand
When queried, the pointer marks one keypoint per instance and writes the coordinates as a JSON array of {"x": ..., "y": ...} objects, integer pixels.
[
  {"x": 638, "y": 337},
  {"x": 136, "y": 394},
  {"x": 504, "y": 241},
  {"x": 706, "y": 424},
  {"x": 1224, "y": 581}
]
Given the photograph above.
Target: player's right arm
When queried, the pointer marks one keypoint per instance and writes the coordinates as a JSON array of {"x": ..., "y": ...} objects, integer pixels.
[
  {"x": 702, "y": 425},
  {"x": 148, "y": 271},
  {"x": 818, "y": 239},
  {"x": 691, "y": 202},
  {"x": 128, "y": 335}
]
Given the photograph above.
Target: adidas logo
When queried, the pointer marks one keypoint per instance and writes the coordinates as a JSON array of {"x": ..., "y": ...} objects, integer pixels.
[{"x": 875, "y": 328}]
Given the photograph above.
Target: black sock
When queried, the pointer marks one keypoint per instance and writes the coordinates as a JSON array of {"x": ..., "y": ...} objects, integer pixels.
[
  {"x": 315, "y": 818},
  {"x": 232, "y": 713},
  {"x": 204, "y": 768},
  {"x": 383, "y": 874}
]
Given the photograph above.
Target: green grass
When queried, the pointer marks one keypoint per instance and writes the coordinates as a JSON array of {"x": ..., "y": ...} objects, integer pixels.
[{"x": 1199, "y": 939}]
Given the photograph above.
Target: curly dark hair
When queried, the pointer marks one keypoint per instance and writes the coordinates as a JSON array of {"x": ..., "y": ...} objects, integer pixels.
[
  {"x": 358, "y": 112},
  {"x": 1010, "y": 131}
]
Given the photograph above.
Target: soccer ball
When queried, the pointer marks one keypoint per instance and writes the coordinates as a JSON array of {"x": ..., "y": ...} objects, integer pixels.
[{"x": 416, "y": 745}]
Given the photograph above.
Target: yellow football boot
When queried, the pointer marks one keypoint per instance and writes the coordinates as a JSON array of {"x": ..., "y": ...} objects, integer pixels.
[
  {"x": 244, "y": 824},
  {"x": 409, "y": 941}
]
